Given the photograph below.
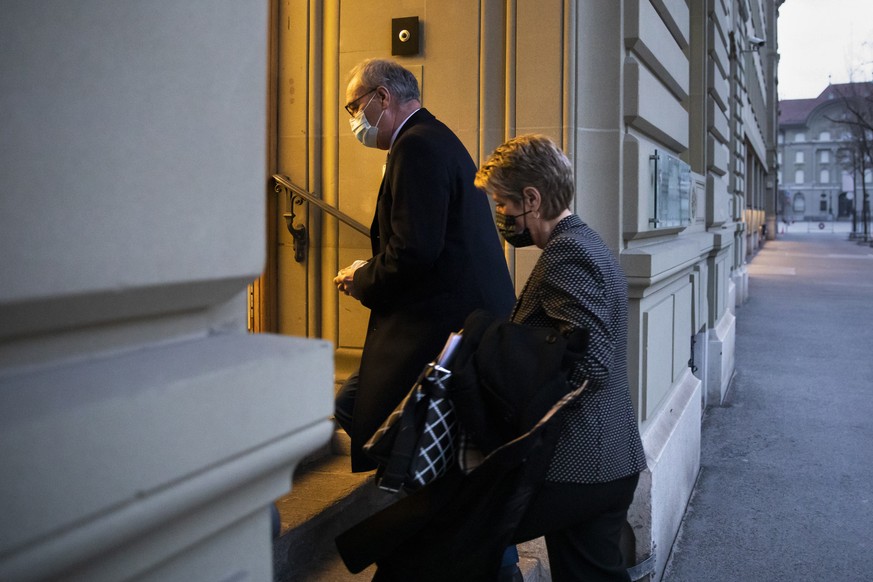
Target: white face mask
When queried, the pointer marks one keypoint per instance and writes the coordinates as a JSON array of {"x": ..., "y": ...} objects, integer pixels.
[{"x": 362, "y": 129}]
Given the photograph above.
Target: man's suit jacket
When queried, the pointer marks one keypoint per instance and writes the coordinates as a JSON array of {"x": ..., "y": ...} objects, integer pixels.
[
  {"x": 436, "y": 258},
  {"x": 577, "y": 284}
]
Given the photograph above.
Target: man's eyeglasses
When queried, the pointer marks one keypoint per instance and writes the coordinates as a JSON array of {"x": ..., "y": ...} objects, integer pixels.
[{"x": 350, "y": 106}]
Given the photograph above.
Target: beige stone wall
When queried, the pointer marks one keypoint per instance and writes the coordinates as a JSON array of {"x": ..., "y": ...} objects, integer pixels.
[
  {"x": 612, "y": 82},
  {"x": 486, "y": 70},
  {"x": 132, "y": 401}
]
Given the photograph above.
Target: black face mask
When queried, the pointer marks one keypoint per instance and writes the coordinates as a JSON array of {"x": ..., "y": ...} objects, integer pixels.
[{"x": 506, "y": 226}]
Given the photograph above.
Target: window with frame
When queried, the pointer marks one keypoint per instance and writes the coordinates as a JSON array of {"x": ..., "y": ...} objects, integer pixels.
[
  {"x": 799, "y": 203},
  {"x": 824, "y": 176},
  {"x": 798, "y": 157},
  {"x": 847, "y": 181},
  {"x": 798, "y": 177},
  {"x": 824, "y": 136},
  {"x": 824, "y": 156},
  {"x": 800, "y": 136}
]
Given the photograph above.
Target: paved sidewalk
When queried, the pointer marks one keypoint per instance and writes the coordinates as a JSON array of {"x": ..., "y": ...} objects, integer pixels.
[{"x": 785, "y": 490}]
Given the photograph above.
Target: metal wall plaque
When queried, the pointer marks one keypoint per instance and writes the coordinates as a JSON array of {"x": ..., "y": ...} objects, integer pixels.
[{"x": 670, "y": 199}]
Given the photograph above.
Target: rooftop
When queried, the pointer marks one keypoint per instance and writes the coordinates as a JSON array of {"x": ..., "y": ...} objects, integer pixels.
[{"x": 797, "y": 111}]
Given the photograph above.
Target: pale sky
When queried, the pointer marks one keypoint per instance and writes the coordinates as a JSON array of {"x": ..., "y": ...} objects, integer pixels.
[{"x": 821, "y": 41}]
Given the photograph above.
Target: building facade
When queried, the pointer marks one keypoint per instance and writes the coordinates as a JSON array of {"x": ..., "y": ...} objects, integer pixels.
[
  {"x": 665, "y": 107},
  {"x": 668, "y": 111},
  {"x": 820, "y": 169},
  {"x": 144, "y": 432}
]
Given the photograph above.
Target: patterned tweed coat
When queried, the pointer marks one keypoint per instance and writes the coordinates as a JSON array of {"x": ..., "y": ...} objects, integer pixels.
[{"x": 578, "y": 284}]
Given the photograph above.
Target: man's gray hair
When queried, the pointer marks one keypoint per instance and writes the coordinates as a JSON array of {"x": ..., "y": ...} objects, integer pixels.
[{"x": 399, "y": 81}]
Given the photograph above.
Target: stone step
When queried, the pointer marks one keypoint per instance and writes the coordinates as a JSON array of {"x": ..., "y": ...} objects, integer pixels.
[{"x": 326, "y": 499}]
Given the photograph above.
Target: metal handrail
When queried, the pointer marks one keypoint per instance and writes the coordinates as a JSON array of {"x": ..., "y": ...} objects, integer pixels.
[{"x": 282, "y": 182}]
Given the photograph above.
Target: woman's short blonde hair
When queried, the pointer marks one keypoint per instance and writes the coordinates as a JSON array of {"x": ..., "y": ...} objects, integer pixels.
[{"x": 530, "y": 160}]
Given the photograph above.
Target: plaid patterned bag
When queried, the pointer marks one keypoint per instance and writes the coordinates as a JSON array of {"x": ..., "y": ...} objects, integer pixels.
[{"x": 417, "y": 443}]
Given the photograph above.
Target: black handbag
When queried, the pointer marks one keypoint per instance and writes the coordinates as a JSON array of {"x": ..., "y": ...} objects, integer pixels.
[{"x": 418, "y": 441}]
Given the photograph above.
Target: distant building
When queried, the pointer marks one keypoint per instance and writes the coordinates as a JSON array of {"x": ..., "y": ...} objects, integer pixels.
[{"x": 817, "y": 174}]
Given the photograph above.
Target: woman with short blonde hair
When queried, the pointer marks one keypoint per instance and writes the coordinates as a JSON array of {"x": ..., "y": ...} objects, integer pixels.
[{"x": 577, "y": 285}]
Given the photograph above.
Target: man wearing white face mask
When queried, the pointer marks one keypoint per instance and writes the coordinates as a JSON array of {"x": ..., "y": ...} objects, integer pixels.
[{"x": 436, "y": 253}]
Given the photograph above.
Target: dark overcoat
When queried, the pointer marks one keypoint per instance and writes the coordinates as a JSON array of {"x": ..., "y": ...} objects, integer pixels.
[
  {"x": 436, "y": 258},
  {"x": 508, "y": 379}
]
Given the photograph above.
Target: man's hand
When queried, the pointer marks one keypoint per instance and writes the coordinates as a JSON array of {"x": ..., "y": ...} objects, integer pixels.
[{"x": 345, "y": 279}]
